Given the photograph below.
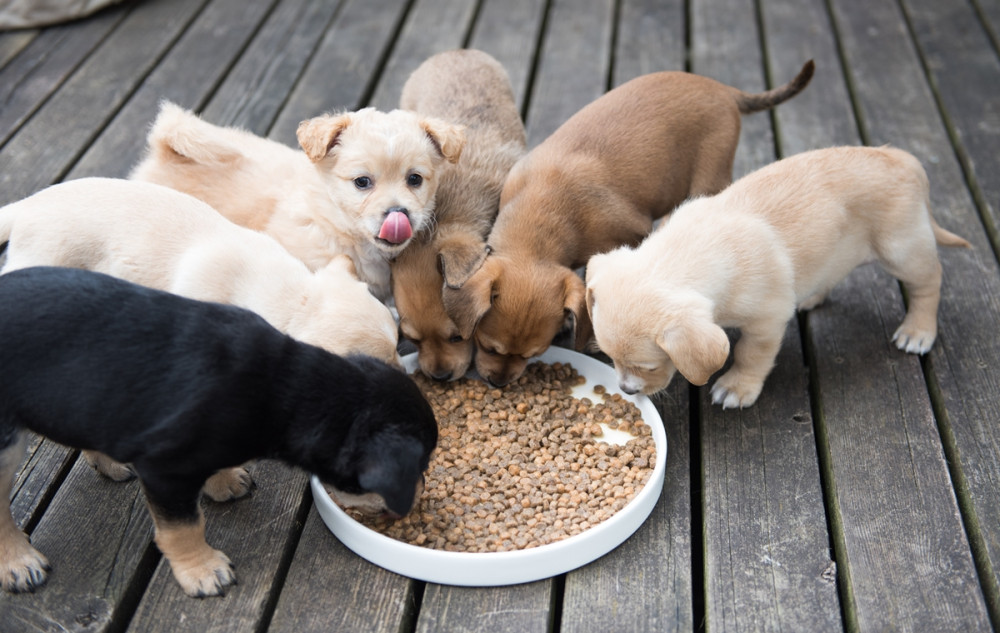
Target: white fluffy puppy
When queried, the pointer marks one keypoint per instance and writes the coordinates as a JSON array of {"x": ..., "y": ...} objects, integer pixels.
[{"x": 779, "y": 238}]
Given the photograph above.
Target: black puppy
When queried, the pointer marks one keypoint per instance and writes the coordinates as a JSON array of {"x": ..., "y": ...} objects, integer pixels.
[{"x": 180, "y": 389}]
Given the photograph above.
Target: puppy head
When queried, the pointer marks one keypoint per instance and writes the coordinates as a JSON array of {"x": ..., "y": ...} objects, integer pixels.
[
  {"x": 378, "y": 466},
  {"x": 516, "y": 308},
  {"x": 382, "y": 169},
  {"x": 341, "y": 315},
  {"x": 648, "y": 331},
  {"x": 418, "y": 275}
]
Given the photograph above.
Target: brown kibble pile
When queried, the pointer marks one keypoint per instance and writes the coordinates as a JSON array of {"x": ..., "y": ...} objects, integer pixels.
[{"x": 522, "y": 467}]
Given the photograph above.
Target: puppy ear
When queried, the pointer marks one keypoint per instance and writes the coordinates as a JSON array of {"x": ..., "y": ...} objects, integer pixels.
[
  {"x": 575, "y": 303},
  {"x": 459, "y": 259},
  {"x": 697, "y": 346},
  {"x": 467, "y": 305},
  {"x": 318, "y": 136},
  {"x": 391, "y": 469},
  {"x": 447, "y": 138}
]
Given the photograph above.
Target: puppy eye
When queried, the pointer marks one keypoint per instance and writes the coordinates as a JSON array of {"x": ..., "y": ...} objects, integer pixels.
[
  {"x": 456, "y": 339},
  {"x": 363, "y": 182},
  {"x": 414, "y": 180}
]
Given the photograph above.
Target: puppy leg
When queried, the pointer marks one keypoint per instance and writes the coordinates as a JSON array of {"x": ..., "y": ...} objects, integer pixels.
[
  {"x": 920, "y": 272},
  {"x": 179, "y": 525},
  {"x": 22, "y": 567},
  {"x": 116, "y": 471},
  {"x": 753, "y": 358},
  {"x": 229, "y": 483}
]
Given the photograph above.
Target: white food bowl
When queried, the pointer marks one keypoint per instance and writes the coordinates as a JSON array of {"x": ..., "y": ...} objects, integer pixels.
[{"x": 490, "y": 569}]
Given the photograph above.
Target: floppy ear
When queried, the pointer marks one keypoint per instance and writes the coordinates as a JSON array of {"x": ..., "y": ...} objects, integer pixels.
[
  {"x": 467, "y": 305},
  {"x": 391, "y": 468},
  {"x": 575, "y": 303},
  {"x": 447, "y": 138},
  {"x": 318, "y": 136},
  {"x": 459, "y": 259},
  {"x": 697, "y": 346}
]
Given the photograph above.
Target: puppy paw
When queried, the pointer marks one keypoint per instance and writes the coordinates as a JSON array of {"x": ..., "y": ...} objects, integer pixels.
[
  {"x": 913, "y": 341},
  {"x": 22, "y": 567},
  {"x": 734, "y": 391},
  {"x": 231, "y": 483},
  {"x": 108, "y": 467},
  {"x": 206, "y": 576}
]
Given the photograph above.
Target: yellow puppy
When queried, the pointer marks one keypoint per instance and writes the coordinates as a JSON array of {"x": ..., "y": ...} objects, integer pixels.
[{"x": 777, "y": 239}]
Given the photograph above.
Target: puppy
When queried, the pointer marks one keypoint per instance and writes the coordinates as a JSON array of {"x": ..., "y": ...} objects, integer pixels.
[
  {"x": 777, "y": 239},
  {"x": 364, "y": 186},
  {"x": 470, "y": 88},
  {"x": 599, "y": 181},
  {"x": 164, "y": 239},
  {"x": 181, "y": 388}
]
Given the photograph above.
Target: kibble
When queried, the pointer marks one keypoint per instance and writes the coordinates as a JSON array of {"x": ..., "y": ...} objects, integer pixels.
[{"x": 522, "y": 467}]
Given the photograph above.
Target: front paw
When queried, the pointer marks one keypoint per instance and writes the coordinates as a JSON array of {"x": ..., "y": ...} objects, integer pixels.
[
  {"x": 913, "y": 340},
  {"x": 733, "y": 391},
  {"x": 231, "y": 483},
  {"x": 22, "y": 567},
  {"x": 207, "y": 576},
  {"x": 116, "y": 471}
]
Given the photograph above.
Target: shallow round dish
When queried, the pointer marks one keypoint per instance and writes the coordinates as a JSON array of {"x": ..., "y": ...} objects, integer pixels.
[{"x": 488, "y": 569}]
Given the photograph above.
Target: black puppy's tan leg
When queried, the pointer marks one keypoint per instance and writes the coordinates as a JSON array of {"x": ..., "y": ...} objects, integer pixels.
[
  {"x": 22, "y": 567},
  {"x": 201, "y": 570},
  {"x": 108, "y": 467},
  {"x": 229, "y": 483}
]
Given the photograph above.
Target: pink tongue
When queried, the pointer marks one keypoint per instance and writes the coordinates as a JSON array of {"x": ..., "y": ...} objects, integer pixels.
[{"x": 396, "y": 228}]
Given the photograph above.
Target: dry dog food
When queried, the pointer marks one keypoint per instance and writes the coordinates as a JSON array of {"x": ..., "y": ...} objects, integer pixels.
[{"x": 524, "y": 466}]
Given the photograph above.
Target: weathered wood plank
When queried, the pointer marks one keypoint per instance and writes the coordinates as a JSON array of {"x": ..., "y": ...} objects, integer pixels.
[
  {"x": 45, "y": 463},
  {"x": 572, "y": 66},
  {"x": 43, "y": 65},
  {"x": 342, "y": 72},
  {"x": 98, "y": 557},
  {"x": 259, "y": 84},
  {"x": 257, "y": 533},
  {"x": 509, "y": 31},
  {"x": 522, "y": 608},
  {"x": 431, "y": 26},
  {"x": 185, "y": 75},
  {"x": 767, "y": 556},
  {"x": 13, "y": 42},
  {"x": 46, "y": 146},
  {"x": 330, "y": 588},
  {"x": 651, "y": 38}
]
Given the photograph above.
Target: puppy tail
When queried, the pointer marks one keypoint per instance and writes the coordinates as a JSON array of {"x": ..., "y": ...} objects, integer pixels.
[
  {"x": 943, "y": 237},
  {"x": 180, "y": 135},
  {"x": 749, "y": 103}
]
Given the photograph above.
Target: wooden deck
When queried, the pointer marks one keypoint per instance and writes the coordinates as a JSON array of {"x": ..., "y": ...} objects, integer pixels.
[{"x": 859, "y": 494}]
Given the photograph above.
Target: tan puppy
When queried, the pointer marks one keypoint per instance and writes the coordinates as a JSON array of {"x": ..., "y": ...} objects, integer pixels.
[
  {"x": 597, "y": 182},
  {"x": 777, "y": 239},
  {"x": 363, "y": 187},
  {"x": 470, "y": 88},
  {"x": 158, "y": 237}
]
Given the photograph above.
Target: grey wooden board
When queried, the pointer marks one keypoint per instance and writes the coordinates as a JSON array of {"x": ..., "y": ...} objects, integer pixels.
[
  {"x": 257, "y": 532},
  {"x": 330, "y": 588},
  {"x": 13, "y": 42},
  {"x": 341, "y": 73},
  {"x": 431, "y": 26},
  {"x": 897, "y": 106},
  {"x": 259, "y": 84},
  {"x": 767, "y": 556},
  {"x": 98, "y": 537},
  {"x": 185, "y": 75},
  {"x": 47, "y": 145},
  {"x": 524, "y": 608},
  {"x": 509, "y": 31},
  {"x": 45, "y": 463},
  {"x": 572, "y": 65},
  {"x": 44, "y": 63}
]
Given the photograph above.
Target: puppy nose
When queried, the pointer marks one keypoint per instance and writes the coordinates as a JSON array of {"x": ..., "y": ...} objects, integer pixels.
[
  {"x": 629, "y": 389},
  {"x": 442, "y": 375},
  {"x": 497, "y": 382},
  {"x": 402, "y": 210}
]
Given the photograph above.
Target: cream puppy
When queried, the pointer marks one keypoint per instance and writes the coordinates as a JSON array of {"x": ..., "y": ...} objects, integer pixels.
[
  {"x": 779, "y": 238},
  {"x": 598, "y": 182},
  {"x": 363, "y": 187},
  {"x": 471, "y": 88}
]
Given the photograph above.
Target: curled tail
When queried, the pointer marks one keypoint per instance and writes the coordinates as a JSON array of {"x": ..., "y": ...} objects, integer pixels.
[{"x": 748, "y": 102}]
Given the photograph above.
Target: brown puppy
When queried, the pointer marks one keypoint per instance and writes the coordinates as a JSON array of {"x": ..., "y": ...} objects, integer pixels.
[
  {"x": 777, "y": 239},
  {"x": 597, "y": 182},
  {"x": 471, "y": 88},
  {"x": 364, "y": 186}
]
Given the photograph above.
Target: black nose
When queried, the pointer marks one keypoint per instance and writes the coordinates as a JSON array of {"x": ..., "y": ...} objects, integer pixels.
[
  {"x": 497, "y": 383},
  {"x": 442, "y": 375},
  {"x": 629, "y": 390},
  {"x": 402, "y": 210}
]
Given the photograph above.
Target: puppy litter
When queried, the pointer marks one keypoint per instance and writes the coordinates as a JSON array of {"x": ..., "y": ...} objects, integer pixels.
[{"x": 522, "y": 467}]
